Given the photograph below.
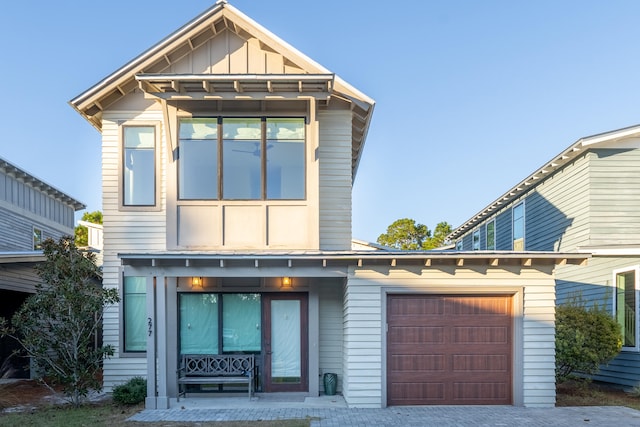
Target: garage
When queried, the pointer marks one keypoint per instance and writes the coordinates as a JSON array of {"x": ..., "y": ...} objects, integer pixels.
[{"x": 449, "y": 349}]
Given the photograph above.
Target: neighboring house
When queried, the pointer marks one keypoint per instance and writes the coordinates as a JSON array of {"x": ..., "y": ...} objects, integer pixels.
[
  {"x": 30, "y": 211},
  {"x": 228, "y": 159},
  {"x": 94, "y": 239},
  {"x": 586, "y": 200}
]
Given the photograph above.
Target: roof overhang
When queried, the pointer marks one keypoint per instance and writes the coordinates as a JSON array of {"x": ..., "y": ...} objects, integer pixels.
[
  {"x": 558, "y": 162},
  {"x": 329, "y": 260},
  {"x": 21, "y": 257},
  {"x": 236, "y": 86}
]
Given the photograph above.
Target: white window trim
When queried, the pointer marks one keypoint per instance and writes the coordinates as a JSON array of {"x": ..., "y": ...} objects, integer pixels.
[
  {"x": 475, "y": 233},
  {"x": 157, "y": 206},
  {"x": 614, "y": 286}
]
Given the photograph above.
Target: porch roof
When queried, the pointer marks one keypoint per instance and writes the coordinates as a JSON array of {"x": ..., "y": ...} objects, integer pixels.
[
  {"x": 21, "y": 257},
  {"x": 324, "y": 259}
]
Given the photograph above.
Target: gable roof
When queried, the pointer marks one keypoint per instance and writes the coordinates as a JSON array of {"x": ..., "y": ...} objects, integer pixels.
[
  {"x": 146, "y": 71},
  {"x": 540, "y": 175}
]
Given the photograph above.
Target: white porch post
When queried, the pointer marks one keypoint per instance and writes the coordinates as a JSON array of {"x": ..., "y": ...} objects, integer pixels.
[
  {"x": 150, "y": 401},
  {"x": 161, "y": 334}
]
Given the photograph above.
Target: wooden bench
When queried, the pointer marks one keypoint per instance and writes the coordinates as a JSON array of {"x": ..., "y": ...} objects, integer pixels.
[{"x": 216, "y": 369}]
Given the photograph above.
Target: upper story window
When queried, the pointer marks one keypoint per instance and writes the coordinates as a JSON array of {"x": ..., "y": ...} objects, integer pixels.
[
  {"x": 139, "y": 166},
  {"x": 518, "y": 227},
  {"x": 242, "y": 159},
  {"x": 625, "y": 305},
  {"x": 491, "y": 235},
  {"x": 476, "y": 240},
  {"x": 459, "y": 245},
  {"x": 37, "y": 239}
]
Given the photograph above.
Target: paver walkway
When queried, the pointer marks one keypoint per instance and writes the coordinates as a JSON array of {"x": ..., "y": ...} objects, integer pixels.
[{"x": 476, "y": 416}]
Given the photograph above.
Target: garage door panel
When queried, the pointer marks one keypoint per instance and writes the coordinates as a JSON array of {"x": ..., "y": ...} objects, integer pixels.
[
  {"x": 458, "y": 351},
  {"x": 417, "y": 363},
  {"x": 417, "y": 335},
  {"x": 480, "y": 363},
  {"x": 480, "y": 335}
]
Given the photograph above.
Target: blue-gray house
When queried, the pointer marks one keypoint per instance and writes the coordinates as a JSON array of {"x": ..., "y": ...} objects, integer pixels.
[{"x": 585, "y": 200}]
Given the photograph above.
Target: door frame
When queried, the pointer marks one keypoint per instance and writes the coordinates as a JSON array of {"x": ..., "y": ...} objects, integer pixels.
[{"x": 303, "y": 385}]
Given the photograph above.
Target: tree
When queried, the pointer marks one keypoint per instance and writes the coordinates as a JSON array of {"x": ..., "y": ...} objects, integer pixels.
[
  {"x": 406, "y": 234},
  {"x": 81, "y": 232},
  {"x": 56, "y": 326},
  {"x": 439, "y": 236},
  {"x": 585, "y": 339}
]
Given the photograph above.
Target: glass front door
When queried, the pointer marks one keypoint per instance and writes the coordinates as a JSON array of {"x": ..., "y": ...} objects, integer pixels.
[{"x": 285, "y": 342}]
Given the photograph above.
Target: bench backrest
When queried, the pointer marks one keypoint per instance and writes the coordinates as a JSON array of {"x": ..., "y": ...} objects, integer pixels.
[{"x": 217, "y": 364}]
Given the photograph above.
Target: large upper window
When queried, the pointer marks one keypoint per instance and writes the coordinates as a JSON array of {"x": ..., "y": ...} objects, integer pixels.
[
  {"x": 242, "y": 159},
  {"x": 134, "y": 304},
  {"x": 625, "y": 305},
  {"x": 518, "y": 227},
  {"x": 139, "y": 171}
]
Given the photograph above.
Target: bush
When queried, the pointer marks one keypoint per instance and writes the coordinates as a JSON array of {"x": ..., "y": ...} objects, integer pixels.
[
  {"x": 585, "y": 339},
  {"x": 132, "y": 392}
]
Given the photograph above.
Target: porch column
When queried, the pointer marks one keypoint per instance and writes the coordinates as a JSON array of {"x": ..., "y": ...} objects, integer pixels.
[
  {"x": 314, "y": 340},
  {"x": 161, "y": 334},
  {"x": 150, "y": 401}
]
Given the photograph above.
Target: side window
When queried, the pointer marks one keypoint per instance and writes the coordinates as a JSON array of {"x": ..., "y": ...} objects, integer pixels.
[
  {"x": 37, "y": 239},
  {"x": 518, "y": 227},
  {"x": 134, "y": 306},
  {"x": 476, "y": 240},
  {"x": 139, "y": 166},
  {"x": 491, "y": 235},
  {"x": 625, "y": 305},
  {"x": 459, "y": 245}
]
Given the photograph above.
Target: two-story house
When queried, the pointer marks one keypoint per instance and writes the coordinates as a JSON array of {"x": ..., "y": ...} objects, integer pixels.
[
  {"x": 228, "y": 159},
  {"x": 30, "y": 211},
  {"x": 584, "y": 200}
]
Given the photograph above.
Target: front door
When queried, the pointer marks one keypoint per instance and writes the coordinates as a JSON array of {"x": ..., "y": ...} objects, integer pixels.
[{"x": 285, "y": 342}]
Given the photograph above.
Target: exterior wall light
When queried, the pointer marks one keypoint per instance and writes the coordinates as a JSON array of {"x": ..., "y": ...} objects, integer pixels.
[
  {"x": 286, "y": 282},
  {"x": 196, "y": 282}
]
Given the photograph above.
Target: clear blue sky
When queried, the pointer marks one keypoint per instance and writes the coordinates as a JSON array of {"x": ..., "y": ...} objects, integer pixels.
[{"x": 472, "y": 96}]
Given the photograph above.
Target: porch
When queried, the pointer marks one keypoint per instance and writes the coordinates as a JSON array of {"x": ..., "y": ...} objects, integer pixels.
[{"x": 259, "y": 401}]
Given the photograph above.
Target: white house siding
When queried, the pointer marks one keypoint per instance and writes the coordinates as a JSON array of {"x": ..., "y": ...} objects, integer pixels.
[
  {"x": 19, "y": 278},
  {"x": 364, "y": 332},
  {"x": 330, "y": 293},
  {"x": 335, "y": 179},
  {"x": 127, "y": 231}
]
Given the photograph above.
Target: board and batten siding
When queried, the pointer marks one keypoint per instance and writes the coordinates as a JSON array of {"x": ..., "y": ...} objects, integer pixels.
[
  {"x": 26, "y": 200},
  {"x": 334, "y": 154},
  {"x": 365, "y": 336},
  {"x": 128, "y": 231},
  {"x": 330, "y": 292}
]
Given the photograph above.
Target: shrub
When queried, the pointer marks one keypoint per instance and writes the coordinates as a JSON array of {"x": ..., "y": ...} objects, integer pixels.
[
  {"x": 132, "y": 392},
  {"x": 586, "y": 337}
]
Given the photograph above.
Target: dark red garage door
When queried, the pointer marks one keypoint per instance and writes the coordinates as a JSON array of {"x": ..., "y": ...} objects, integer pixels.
[{"x": 449, "y": 350}]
